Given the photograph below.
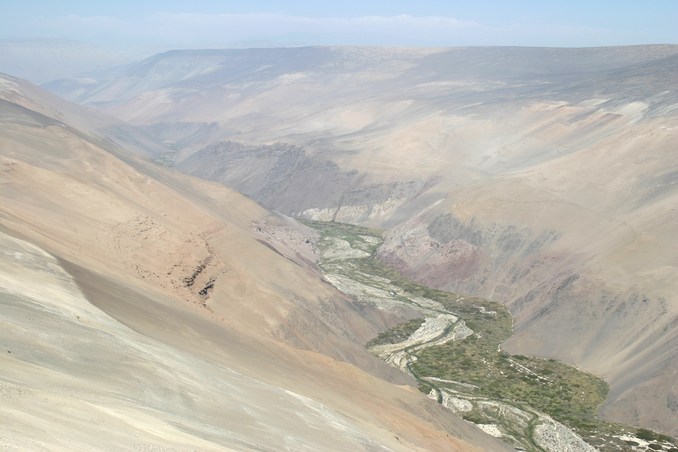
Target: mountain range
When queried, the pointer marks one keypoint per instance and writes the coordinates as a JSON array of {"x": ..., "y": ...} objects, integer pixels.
[
  {"x": 156, "y": 283},
  {"x": 541, "y": 178}
]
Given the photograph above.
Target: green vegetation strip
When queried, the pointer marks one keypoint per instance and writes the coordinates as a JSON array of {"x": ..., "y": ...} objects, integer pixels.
[
  {"x": 475, "y": 368},
  {"x": 396, "y": 334}
]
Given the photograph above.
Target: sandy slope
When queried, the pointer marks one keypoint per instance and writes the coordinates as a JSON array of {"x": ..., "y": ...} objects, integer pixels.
[
  {"x": 141, "y": 311},
  {"x": 75, "y": 377}
]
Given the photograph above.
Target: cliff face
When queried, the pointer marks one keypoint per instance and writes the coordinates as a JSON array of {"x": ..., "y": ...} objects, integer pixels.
[{"x": 542, "y": 178}]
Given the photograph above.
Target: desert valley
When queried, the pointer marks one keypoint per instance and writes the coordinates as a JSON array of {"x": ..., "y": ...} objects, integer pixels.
[{"x": 340, "y": 248}]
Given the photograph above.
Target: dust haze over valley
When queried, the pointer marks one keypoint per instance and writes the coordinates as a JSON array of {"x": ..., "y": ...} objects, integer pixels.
[{"x": 161, "y": 284}]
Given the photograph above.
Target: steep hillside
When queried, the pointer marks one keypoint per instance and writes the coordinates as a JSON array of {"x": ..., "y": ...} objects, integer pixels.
[
  {"x": 146, "y": 309},
  {"x": 541, "y": 178}
]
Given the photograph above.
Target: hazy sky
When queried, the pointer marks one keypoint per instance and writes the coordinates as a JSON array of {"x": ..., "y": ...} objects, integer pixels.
[{"x": 212, "y": 23}]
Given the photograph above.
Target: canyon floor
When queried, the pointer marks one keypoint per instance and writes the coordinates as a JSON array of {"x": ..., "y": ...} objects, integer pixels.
[{"x": 453, "y": 349}]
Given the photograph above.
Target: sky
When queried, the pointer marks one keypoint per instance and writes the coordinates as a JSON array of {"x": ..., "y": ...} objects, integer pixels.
[{"x": 137, "y": 25}]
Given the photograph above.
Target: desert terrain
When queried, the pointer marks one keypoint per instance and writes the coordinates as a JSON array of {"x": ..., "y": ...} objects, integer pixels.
[
  {"x": 540, "y": 178},
  {"x": 143, "y": 309}
]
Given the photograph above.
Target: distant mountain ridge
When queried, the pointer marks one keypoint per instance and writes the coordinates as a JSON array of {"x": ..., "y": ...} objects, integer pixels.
[{"x": 212, "y": 67}]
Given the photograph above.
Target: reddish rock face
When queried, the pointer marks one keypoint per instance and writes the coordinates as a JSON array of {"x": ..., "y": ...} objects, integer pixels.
[{"x": 431, "y": 262}]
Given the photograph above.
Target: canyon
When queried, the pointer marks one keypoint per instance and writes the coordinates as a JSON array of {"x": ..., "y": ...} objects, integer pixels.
[
  {"x": 544, "y": 179},
  {"x": 143, "y": 309},
  {"x": 160, "y": 276}
]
